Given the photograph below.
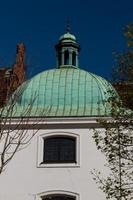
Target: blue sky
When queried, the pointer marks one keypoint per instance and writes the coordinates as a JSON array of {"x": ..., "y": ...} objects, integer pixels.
[{"x": 98, "y": 26}]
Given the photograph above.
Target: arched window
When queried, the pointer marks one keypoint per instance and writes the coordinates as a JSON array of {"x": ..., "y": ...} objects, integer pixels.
[
  {"x": 66, "y": 57},
  {"x": 59, "y": 149},
  {"x": 58, "y": 197},
  {"x": 74, "y": 58}
]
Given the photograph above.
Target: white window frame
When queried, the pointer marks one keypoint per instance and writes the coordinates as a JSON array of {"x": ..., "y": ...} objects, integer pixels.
[{"x": 40, "y": 149}]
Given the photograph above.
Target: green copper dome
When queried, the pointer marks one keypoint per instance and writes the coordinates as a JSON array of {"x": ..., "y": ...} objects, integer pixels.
[
  {"x": 67, "y": 36},
  {"x": 64, "y": 92}
]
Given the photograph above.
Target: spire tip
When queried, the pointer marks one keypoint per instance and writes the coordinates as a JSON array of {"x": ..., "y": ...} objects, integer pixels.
[{"x": 68, "y": 27}]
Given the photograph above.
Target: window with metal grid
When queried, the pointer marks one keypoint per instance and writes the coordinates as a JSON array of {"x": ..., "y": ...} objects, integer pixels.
[
  {"x": 59, "y": 149},
  {"x": 58, "y": 197}
]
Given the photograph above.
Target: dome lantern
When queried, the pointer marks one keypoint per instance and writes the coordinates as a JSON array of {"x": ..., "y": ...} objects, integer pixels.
[{"x": 67, "y": 50}]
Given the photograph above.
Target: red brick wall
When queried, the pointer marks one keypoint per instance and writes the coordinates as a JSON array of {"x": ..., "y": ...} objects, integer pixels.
[{"x": 11, "y": 78}]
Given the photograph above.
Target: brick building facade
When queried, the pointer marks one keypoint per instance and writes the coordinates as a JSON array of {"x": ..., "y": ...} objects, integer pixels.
[{"x": 11, "y": 78}]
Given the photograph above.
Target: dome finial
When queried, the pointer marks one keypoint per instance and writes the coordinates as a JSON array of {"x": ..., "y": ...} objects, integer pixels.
[{"x": 68, "y": 29}]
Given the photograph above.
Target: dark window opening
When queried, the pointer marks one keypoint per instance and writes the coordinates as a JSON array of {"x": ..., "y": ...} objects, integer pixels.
[
  {"x": 58, "y": 197},
  {"x": 59, "y": 150},
  {"x": 66, "y": 58},
  {"x": 74, "y": 58}
]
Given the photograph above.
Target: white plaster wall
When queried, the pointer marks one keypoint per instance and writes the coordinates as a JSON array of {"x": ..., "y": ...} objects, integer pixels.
[{"x": 22, "y": 180}]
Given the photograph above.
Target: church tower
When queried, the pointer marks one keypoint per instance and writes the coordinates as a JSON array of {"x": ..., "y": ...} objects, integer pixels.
[{"x": 67, "y": 101}]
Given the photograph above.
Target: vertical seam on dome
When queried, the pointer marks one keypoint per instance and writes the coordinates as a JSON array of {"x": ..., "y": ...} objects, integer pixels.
[
  {"x": 44, "y": 100},
  {"x": 70, "y": 104},
  {"x": 71, "y": 93},
  {"x": 36, "y": 111},
  {"x": 49, "y": 109},
  {"x": 78, "y": 94},
  {"x": 94, "y": 77},
  {"x": 85, "y": 94},
  {"x": 58, "y": 106},
  {"x": 35, "y": 96},
  {"x": 52, "y": 94},
  {"x": 98, "y": 103},
  {"x": 103, "y": 83},
  {"x": 99, "y": 81},
  {"x": 91, "y": 109},
  {"x": 65, "y": 93}
]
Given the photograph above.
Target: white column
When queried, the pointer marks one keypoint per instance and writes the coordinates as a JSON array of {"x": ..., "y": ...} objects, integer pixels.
[
  {"x": 62, "y": 58},
  {"x": 70, "y": 57},
  {"x": 77, "y": 61}
]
